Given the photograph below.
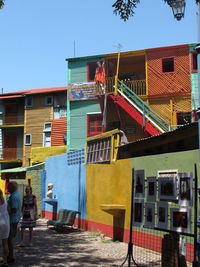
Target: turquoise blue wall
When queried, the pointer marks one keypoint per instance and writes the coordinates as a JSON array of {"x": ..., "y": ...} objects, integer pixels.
[
  {"x": 78, "y": 121},
  {"x": 67, "y": 185},
  {"x": 194, "y": 85},
  {"x": 77, "y": 68},
  {"x": 194, "y": 82},
  {"x": 77, "y": 118}
]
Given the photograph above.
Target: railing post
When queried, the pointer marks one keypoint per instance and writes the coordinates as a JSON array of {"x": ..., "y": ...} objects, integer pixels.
[
  {"x": 143, "y": 114},
  {"x": 116, "y": 84}
]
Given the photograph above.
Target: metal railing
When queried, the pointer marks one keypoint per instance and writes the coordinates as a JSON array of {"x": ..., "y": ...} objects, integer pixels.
[
  {"x": 137, "y": 86},
  {"x": 143, "y": 108},
  {"x": 14, "y": 153}
]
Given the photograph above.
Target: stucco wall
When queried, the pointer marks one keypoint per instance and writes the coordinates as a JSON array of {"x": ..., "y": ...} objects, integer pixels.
[
  {"x": 111, "y": 184},
  {"x": 108, "y": 184},
  {"x": 67, "y": 186}
]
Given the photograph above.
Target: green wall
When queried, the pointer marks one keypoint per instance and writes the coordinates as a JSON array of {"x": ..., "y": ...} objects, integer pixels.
[
  {"x": 181, "y": 161},
  {"x": 35, "y": 173},
  {"x": 78, "y": 121},
  {"x": 194, "y": 82},
  {"x": 77, "y": 68}
]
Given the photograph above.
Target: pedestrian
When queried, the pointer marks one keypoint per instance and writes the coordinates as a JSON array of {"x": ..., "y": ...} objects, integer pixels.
[
  {"x": 14, "y": 208},
  {"x": 29, "y": 213},
  {"x": 4, "y": 227}
]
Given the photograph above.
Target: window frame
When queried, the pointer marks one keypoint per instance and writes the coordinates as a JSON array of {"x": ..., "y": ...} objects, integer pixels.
[
  {"x": 94, "y": 63},
  {"x": 96, "y": 116},
  {"x": 194, "y": 53},
  {"x": 26, "y": 101},
  {"x": 46, "y": 100},
  {"x": 26, "y": 143},
  {"x": 46, "y": 130},
  {"x": 166, "y": 58}
]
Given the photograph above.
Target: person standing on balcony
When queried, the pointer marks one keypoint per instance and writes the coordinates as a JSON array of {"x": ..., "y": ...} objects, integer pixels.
[
  {"x": 4, "y": 227},
  {"x": 14, "y": 208},
  {"x": 100, "y": 76}
]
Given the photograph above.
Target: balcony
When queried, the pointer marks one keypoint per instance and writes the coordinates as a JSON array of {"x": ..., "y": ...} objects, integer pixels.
[
  {"x": 11, "y": 121},
  {"x": 137, "y": 86},
  {"x": 11, "y": 154}
]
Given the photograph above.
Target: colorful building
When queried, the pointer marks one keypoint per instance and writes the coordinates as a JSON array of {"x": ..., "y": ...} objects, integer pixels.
[
  {"x": 32, "y": 122},
  {"x": 156, "y": 91}
]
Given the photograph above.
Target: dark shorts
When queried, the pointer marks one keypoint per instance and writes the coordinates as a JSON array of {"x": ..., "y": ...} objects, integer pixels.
[{"x": 13, "y": 231}]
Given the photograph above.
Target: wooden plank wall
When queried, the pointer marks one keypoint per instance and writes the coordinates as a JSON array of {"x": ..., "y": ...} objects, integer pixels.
[{"x": 35, "y": 118}]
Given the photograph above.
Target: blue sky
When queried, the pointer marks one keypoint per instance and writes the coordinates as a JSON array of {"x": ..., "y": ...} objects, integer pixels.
[{"x": 38, "y": 35}]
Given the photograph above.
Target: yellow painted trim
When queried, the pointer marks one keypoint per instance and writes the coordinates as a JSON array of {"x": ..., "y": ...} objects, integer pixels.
[
  {"x": 11, "y": 126},
  {"x": 112, "y": 151},
  {"x": 171, "y": 110},
  {"x": 24, "y": 148},
  {"x": 146, "y": 74},
  {"x": 86, "y": 152},
  {"x": 126, "y": 54},
  {"x": 116, "y": 147},
  {"x": 10, "y": 161},
  {"x": 103, "y": 135}
]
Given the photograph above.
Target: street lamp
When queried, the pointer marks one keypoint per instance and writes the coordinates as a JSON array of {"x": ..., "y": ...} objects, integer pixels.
[{"x": 178, "y": 8}]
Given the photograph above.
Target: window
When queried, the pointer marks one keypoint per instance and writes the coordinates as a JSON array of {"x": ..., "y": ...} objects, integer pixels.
[
  {"x": 47, "y": 134},
  {"x": 99, "y": 151},
  {"x": 168, "y": 64},
  {"x": 48, "y": 100},
  {"x": 194, "y": 62},
  {"x": 29, "y": 102},
  {"x": 91, "y": 69},
  {"x": 183, "y": 118},
  {"x": 27, "y": 139},
  {"x": 94, "y": 124}
]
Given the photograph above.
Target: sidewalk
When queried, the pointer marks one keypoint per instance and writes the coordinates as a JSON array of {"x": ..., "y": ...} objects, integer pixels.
[
  {"x": 76, "y": 248},
  {"x": 73, "y": 248}
]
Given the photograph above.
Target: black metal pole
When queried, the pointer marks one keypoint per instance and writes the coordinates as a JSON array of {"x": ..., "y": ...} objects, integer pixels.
[{"x": 129, "y": 255}]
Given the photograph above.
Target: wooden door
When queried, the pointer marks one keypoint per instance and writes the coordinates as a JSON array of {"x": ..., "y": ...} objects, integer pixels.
[{"x": 10, "y": 146}]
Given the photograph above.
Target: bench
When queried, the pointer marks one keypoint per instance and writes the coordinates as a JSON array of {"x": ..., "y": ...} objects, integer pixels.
[{"x": 65, "y": 218}]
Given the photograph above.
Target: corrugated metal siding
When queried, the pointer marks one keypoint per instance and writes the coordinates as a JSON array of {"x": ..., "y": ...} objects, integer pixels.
[
  {"x": 58, "y": 130},
  {"x": 178, "y": 82}
]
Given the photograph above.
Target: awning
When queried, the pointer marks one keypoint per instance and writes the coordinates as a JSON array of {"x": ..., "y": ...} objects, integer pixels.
[{"x": 13, "y": 170}]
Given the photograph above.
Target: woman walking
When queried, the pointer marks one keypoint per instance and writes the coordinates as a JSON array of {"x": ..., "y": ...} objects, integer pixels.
[
  {"x": 29, "y": 212},
  {"x": 4, "y": 227}
]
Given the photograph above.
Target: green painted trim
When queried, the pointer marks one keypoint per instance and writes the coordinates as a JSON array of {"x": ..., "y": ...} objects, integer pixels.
[{"x": 68, "y": 112}]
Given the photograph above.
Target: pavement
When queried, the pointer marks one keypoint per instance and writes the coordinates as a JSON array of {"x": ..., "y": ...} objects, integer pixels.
[{"x": 73, "y": 248}]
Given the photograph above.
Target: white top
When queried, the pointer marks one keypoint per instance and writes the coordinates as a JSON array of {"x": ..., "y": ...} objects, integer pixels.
[{"x": 4, "y": 221}]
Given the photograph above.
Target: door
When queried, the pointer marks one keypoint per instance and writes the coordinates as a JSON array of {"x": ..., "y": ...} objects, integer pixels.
[{"x": 10, "y": 146}]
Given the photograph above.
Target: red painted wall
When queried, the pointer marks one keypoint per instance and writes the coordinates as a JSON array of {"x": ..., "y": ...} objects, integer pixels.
[
  {"x": 173, "y": 83},
  {"x": 58, "y": 130}
]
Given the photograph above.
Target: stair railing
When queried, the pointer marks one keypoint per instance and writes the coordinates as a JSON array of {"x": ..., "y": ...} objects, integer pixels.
[{"x": 143, "y": 108}]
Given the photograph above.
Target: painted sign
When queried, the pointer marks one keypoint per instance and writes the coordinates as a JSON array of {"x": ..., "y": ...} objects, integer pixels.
[{"x": 81, "y": 91}]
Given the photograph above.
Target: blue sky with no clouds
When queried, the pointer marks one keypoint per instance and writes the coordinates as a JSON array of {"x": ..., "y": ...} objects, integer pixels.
[{"x": 38, "y": 35}]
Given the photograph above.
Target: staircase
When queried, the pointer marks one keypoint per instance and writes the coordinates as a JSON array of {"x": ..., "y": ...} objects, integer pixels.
[{"x": 152, "y": 122}]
